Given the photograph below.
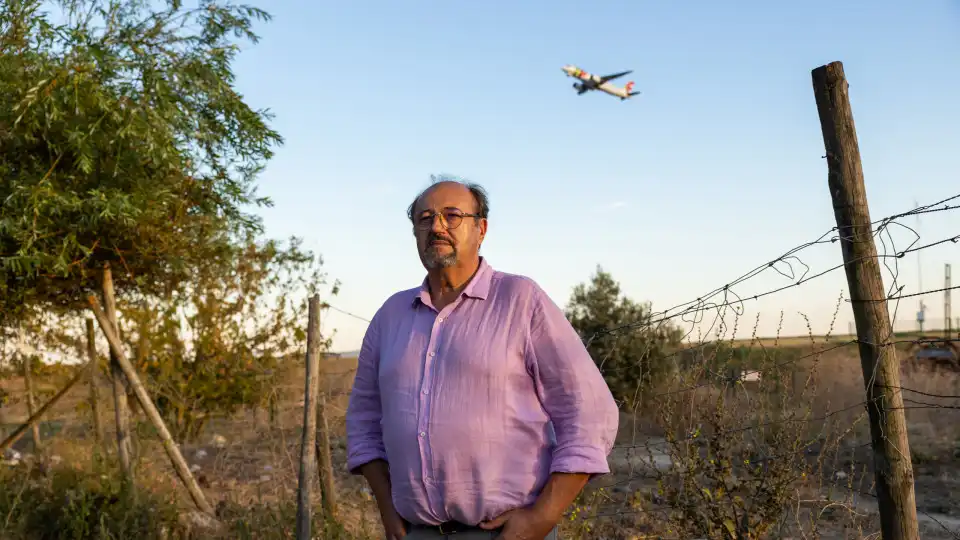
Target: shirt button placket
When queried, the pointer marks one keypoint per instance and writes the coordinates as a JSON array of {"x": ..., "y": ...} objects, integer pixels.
[{"x": 426, "y": 455}]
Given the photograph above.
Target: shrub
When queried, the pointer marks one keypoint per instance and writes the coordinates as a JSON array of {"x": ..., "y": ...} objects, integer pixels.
[
  {"x": 215, "y": 345},
  {"x": 76, "y": 505},
  {"x": 632, "y": 359}
]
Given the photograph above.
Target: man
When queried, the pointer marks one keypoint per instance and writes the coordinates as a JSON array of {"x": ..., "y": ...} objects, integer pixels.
[{"x": 476, "y": 410}]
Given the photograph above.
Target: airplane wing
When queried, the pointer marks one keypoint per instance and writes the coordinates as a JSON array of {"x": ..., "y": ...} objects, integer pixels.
[{"x": 606, "y": 78}]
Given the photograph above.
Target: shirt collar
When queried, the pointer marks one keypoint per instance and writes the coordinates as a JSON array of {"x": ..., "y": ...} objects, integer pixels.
[{"x": 478, "y": 287}]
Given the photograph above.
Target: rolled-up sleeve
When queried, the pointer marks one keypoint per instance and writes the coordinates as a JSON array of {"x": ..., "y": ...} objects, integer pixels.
[
  {"x": 364, "y": 433},
  {"x": 582, "y": 409}
]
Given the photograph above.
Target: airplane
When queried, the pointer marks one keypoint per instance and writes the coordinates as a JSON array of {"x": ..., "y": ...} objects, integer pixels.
[{"x": 588, "y": 81}]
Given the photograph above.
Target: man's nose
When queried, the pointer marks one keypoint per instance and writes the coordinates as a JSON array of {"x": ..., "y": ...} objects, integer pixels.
[{"x": 437, "y": 224}]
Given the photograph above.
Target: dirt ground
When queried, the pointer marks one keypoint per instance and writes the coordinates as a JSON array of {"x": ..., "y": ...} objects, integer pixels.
[{"x": 245, "y": 461}]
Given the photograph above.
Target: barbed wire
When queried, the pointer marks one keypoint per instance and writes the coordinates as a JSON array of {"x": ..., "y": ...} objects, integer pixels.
[
  {"x": 698, "y": 307},
  {"x": 791, "y": 266},
  {"x": 345, "y": 312},
  {"x": 726, "y": 299},
  {"x": 702, "y": 303}
]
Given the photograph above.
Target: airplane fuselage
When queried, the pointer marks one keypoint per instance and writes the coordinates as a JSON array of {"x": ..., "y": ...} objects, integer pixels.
[
  {"x": 611, "y": 89},
  {"x": 587, "y": 81}
]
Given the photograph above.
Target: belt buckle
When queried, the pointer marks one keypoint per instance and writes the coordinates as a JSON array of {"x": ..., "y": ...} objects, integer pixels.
[{"x": 445, "y": 532}]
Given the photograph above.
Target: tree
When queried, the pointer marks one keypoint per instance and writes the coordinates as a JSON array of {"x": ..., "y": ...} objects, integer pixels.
[
  {"x": 214, "y": 345},
  {"x": 123, "y": 141},
  {"x": 630, "y": 348}
]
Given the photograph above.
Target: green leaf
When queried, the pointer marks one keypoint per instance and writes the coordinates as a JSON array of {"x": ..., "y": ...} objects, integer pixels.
[
  {"x": 731, "y": 528},
  {"x": 131, "y": 138}
]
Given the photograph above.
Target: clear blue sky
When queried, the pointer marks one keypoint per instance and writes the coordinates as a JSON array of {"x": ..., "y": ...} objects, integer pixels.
[{"x": 715, "y": 168}]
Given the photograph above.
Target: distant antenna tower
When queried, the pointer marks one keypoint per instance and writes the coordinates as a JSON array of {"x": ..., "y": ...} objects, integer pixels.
[
  {"x": 946, "y": 301},
  {"x": 921, "y": 314}
]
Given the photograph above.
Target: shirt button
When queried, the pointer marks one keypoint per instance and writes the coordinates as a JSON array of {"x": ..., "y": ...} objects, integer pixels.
[
  {"x": 425, "y": 391},
  {"x": 440, "y": 319},
  {"x": 422, "y": 434},
  {"x": 432, "y": 353}
]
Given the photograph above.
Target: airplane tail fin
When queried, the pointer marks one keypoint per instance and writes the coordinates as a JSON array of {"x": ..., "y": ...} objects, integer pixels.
[{"x": 629, "y": 87}]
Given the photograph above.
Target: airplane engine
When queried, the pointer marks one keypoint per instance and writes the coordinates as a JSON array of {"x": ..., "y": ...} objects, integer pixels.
[{"x": 577, "y": 86}]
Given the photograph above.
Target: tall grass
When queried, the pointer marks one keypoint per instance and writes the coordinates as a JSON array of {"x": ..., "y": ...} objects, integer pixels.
[{"x": 250, "y": 475}]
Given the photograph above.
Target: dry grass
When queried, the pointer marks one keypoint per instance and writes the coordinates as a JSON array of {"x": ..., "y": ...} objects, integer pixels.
[
  {"x": 807, "y": 341},
  {"x": 246, "y": 466},
  {"x": 252, "y": 477},
  {"x": 787, "y": 456},
  {"x": 934, "y": 421}
]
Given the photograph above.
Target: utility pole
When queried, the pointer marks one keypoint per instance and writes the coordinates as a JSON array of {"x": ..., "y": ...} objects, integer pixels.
[
  {"x": 946, "y": 302},
  {"x": 922, "y": 312},
  {"x": 878, "y": 357}
]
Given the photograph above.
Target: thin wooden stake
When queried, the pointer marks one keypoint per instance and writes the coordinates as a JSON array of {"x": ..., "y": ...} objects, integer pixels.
[
  {"x": 878, "y": 356},
  {"x": 179, "y": 464},
  {"x": 120, "y": 406},
  {"x": 94, "y": 382},
  {"x": 35, "y": 417},
  {"x": 31, "y": 403},
  {"x": 308, "y": 454},
  {"x": 328, "y": 487}
]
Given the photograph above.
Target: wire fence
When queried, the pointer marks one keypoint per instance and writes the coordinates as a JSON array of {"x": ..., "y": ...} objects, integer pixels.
[
  {"x": 713, "y": 406},
  {"x": 738, "y": 436},
  {"x": 737, "y": 411},
  {"x": 728, "y": 445}
]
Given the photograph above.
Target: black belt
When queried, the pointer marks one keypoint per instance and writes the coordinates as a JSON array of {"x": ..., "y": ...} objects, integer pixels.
[{"x": 446, "y": 528}]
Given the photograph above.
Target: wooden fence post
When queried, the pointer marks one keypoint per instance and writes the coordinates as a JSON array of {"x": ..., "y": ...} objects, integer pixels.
[
  {"x": 31, "y": 403},
  {"x": 179, "y": 464},
  {"x": 94, "y": 381},
  {"x": 878, "y": 356},
  {"x": 328, "y": 487},
  {"x": 120, "y": 405},
  {"x": 308, "y": 454}
]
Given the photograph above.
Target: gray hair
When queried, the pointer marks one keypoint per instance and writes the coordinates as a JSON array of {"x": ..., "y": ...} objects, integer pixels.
[{"x": 479, "y": 195}]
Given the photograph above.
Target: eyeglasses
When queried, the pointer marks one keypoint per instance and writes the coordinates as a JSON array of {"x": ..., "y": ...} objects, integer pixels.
[{"x": 451, "y": 219}]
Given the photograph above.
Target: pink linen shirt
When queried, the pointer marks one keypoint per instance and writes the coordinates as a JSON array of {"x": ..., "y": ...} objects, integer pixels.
[{"x": 474, "y": 406}]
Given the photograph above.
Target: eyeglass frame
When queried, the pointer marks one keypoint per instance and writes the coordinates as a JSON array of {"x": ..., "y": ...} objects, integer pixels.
[{"x": 423, "y": 225}]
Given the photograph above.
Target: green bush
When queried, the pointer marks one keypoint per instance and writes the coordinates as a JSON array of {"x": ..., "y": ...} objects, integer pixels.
[
  {"x": 75, "y": 505},
  {"x": 91, "y": 504},
  {"x": 633, "y": 349},
  {"x": 215, "y": 344}
]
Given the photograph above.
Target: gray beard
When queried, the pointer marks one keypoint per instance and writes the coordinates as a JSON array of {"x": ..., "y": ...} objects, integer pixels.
[{"x": 433, "y": 260}]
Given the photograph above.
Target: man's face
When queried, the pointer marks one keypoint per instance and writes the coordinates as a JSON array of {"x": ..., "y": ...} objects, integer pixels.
[{"x": 444, "y": 229}]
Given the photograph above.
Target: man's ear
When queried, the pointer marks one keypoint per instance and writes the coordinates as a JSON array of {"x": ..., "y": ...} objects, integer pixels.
[{"x": 483, "y": 229}]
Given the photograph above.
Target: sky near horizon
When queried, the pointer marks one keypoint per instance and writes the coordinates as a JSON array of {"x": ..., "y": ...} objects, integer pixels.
[{"x": 713, "y": 170}]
